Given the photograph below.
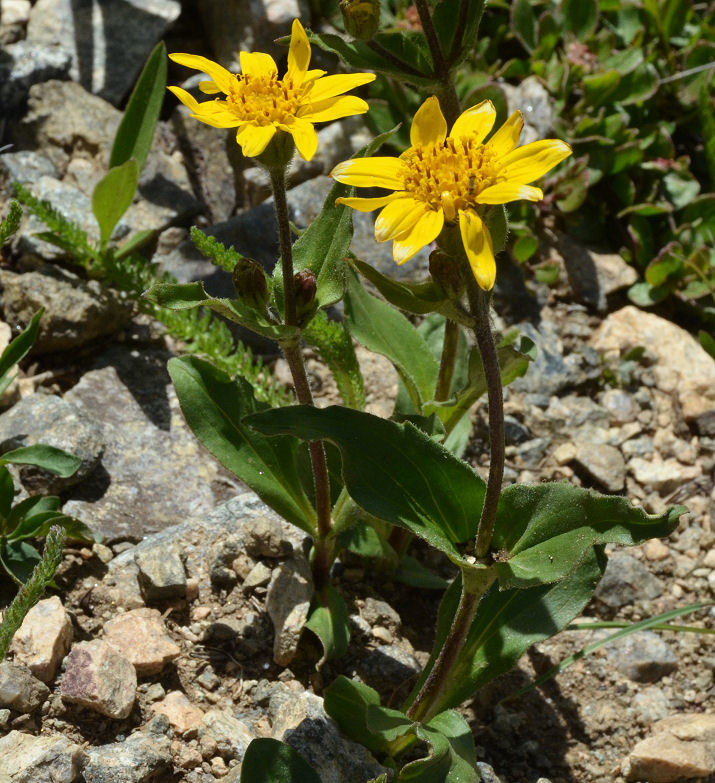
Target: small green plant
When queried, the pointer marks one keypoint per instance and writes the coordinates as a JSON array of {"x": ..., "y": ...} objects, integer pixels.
[{"x": 33, "y": 589}]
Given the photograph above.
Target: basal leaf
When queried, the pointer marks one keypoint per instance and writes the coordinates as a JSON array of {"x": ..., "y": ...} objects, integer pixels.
[
  {"x": 394, "y": 471},
  {"x": 329, "y": 622},
  {"x": 18, "y": 558},
  {"x": 7, "y": 495},
  {"x": 546, "y": 530},
  {"x": 347, "y": 702},
  {"x": 112, "y": 196},
  {"x": 19, "y": 348},
  {"x": 57, "y": 461},
  {"x": 214, "y": 407},
  {"x": 580, "y": 17},
  {"x": 136, "y": 129},
  {"x": 523, "y": 22},
  {"x": 270, "y": 761},
  {"x": 449, "y": 737}
]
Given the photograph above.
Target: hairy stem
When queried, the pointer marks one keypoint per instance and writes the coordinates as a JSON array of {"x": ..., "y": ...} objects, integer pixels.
[
  {"x": 447, "y": 361},
  {"x": 322, "y": 557}
]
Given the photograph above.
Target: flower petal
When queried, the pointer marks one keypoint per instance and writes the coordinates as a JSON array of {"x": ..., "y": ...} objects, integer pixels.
[
  {"x": 298, "y": 53},
  {"x": 478, "y": 245},
  {"x": 380, "y": 172},
  {"x": 368, "y": 204},
  {"x": 257, "y": 64},
  {"x": 527, "y": 163},
  {"x": 214, "y": 113},
  {"x": 428, "y": 125},
  {"x": 254, "y": 138},
  {"x": 186, "y": 98},
  {"x": 398, "y": 218},
  {"x": 333, "y": 108},
  {"x": 426, "y": 230},
  {"x": 475, "y": 122},
  {"x": 304, "y": 136},
  {"x": 330, "y": 86},
  {"x": 209, "y": 87},
  {"x": 504, "y": 192},
  {"x": 507, "y": 137},
  {"x": 223, "y": 78}
]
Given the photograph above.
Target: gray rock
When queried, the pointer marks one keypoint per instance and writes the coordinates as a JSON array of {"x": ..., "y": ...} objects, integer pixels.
[
  {"x": 258, "y": 576},
  {"x": 602, "y": 464},
  {"x": 97, "y": 676},
  {"x": 76, "y": 311},
  {"x": 46, "y": 418},
  {"x": 138, "y": 759},
  {"x": 533, "y": 99},
  {"x": 487, "y": 773},
  {"x": 376, "y": 612},
  {"x": 663, "y": 475},
  {"x": 638, "y": 447},
  {"x": 5, "y": 716},
  {"x": 147, "y": 446},
  {"x": 265, "y": 539},
  {"x": 627, "y": 581},
  {"x": 13, "y": 21},
  {"x": 621, "y": 406},
  {"x": 303, "y": 724},
  {"x": 651, "y": 704},
  {"x": 287, "y": 603},
  {"x": 231, "y": 734},
  {"x": 532, "y": 451},
  {"x": 548, "y": 373},
  {"x": 46, "y": 759},
  {"x": 642, "y": 656},
  {"x": 161, "y": 573},
  {"x": 387, "y": 666},
  {"x": 24, "y": 167},
  {"x": 19, "y": 689},
  {"x": 44, "y": 638},
  {"x": 28, "y": 64},
  {"x": 514, "y": 431},
  {"x": 108, "y": 42},
  {"x": 572, "y": 412}
]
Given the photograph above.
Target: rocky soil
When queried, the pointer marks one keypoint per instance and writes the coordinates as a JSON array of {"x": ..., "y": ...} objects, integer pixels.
[{"x": 173, "y": 643}]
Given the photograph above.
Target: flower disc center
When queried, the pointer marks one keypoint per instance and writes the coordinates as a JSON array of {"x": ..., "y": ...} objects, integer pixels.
[{"x": 263, "y": 100}]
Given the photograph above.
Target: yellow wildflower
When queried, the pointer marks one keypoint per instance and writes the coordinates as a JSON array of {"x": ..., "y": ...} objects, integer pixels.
[
  {"x": 450, "y": 179},
  {"x": 258, "y": 103}
]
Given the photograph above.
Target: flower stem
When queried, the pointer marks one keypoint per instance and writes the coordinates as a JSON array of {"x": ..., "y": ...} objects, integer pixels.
[
  {"x": 448, "y": 94},
  {"x": 322, "y": 556},
  {"x": 479, "y": 305},
  {"x": 447, "y": 362}
]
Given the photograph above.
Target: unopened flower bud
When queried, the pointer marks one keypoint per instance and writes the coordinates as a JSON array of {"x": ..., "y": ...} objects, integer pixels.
[
  {"x": 249, "y": 280},
  {"x": 361, "y": 17},
  {"x": 306, "y": 288},
  {"x": 446, "y": 273}
]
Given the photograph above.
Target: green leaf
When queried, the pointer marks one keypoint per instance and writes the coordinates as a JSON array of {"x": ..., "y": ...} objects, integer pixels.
[
  {"x": 382, "y": 329},
  {"x": 37, "y": 525},
  {"x": 546, "y": 530},
  {"x": 523, "y": 22},
  {"x": 457, "y": 26},
  {"x": 507, "y": 623},
  {"x": 18, "y": 558},
  {"x": 647, "y": 209},
  {"x": 7, "y": 495},
  {"x": 364, "y": 540},
  {"x": 57, "y": 461},
  {"x": 134, "y": 242},
  {"x": 453, "y": 757},
  {"x": 637, "y": 86},
  {"x": 112, "y": 196},
  {"x": 387, "y": 723},
  {"x": 214, "y": 407},
  {"x": 11, "y": 223},
  {"x": 411, "y": 572},
  {"x": 682, "y": 187},
  {"x": 329, "y": 622},
  {"x": 645, "y": 295},
  {"x": 175, "y": 296},
  {"x": 599, "y": 87},
  {"x": 347, "y": 702},
  {"x": 136, "y": 130},
  {"x": 580, "y": 17},
  {"x": 668, "y": 263},
  {"x": 36, "y": 504},
  {"x": 394, "y": 471},
  {"x": 708, "y": 342},
  {"x": 223, "y": 257},
  {"x": 271, "y": 761},
  {"x": 18, "y": 349},
  {"x": 525, "y": 247}
]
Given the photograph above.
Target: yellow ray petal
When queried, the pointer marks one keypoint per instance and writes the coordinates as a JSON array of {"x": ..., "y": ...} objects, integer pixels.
[
  {"x": 398, "y": 218},
  {"x": 257, "y": 64},
  {"x": 527, "y": 163},
  {"x": 426, "y": 230},
  {"x": 298, "y": 53},
  {"x": 478, "y": 245},
  {"x": 253, "y": 139},
  {"x": 475, "y": 122},
  {"x": 209, "y": 87},
  {"x": 213, "y": 113},
  {"x": 304, "y": 136},
  {"x": 507, "y": 137},
  {"x": 368, "y": 204},
  {"x": 380, "y": 172},
  {"x": 185, "y": 97},
  {"x": 223, "y": 78},
  {"x": 330, "y": 86},
  {"x": 504, "y": 192},
  {"x": 333, "y": 108},
  {"x": 428, "y": 125}
]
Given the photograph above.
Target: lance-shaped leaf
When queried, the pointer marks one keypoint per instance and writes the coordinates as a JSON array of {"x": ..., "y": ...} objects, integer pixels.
[
  {"x": 214, "y": 407},
  {"x": 347, "y": 702},
  {"x": 176, "y": 296},
  {"x": 57, "y": 461},
  {"x": 452, "y": 757},
  {"x": 18, "y": 349},
  {"x": 394, "y": 471},
  {"x": 384, "y": 330},
  {"x": 271, "y": 761},
  {"x": 330, "y": 623},
  {"x": 507, "y": 623},
  {"x": 457, "y": 26},
  {"x": 547, "y": 529},
  {"x": 112, "y": 196}
]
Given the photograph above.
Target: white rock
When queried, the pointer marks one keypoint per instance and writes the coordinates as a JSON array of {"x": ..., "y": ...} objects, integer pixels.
[
  {"x": 44, "y": 638},
  {"x": 287, "y": 603},
  {"x": 46, "y": 759}
]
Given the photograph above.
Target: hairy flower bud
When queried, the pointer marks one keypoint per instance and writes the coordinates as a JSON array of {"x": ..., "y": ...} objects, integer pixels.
[
  {"x": 361, "y": 17},
  {"x": 306, "y": 288},
  {"x": 249, "y": 280},
  {"x": 447, "y": 273}
]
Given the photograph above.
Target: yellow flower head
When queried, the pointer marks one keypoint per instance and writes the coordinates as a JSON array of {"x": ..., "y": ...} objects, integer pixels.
[
  {"x": 258, "y": 103},
  {"x": 451, "y": 178}
]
